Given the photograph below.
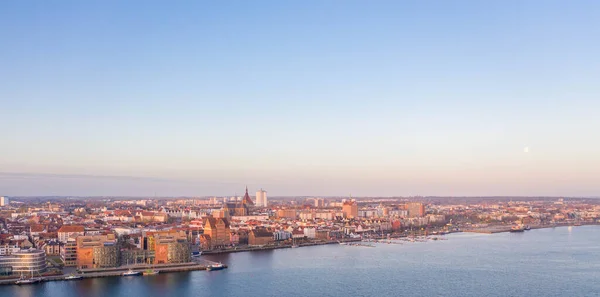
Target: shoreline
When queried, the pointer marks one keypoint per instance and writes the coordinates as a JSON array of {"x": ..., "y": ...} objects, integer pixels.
[
  {"x": 275, "y": 247},
  {"x": 117, "y": 271},
  {"x": 195, "y": 266},
  {"x": 505, "y": 229}
]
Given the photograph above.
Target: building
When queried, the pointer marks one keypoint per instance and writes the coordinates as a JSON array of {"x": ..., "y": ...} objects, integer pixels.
[
  {"x": 131, "y": 256},
  {"x": 106, "y": 255},
  {"x": 219, "y": 231},
  {"x": 261, "y": 198},
  {"x": 179, "y": 252},
  {"x": 67, "y": 231},
  {"x": 94, "y": 251},
  {"x": 415, "y": 209},
  {"x": 282, "y": 235},
  {"x": 350, "y": 209},
  {"x": 246, "y": 200},
  {"x": 27, "y": 262},
  {"x": 310, "y": 232},
  {"x": 4, "y": 201},
  {"x": 168, "y": 246},
  {"x": 436, "y": 219},
  {"x": 260, "y": 236},
  {"x": 286, "y": 213},
  {"x": 319, "y": 202},
  {"x": 297, "y": 234},
  {"x": 150, "y": 216},
  {"x": 68, "y": 252},
  {"x": 260, "y": 218},
  {"x": 238, "y": 208},
  {"x": 186, "y": 214},
  {"x": 52, "y": 248},
  {"x": 9, "y": 248}
]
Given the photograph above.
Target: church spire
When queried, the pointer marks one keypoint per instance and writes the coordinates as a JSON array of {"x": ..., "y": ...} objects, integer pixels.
[{"x": 247, "y": 199}]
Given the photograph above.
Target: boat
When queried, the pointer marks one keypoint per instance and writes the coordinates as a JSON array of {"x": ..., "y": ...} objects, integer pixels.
[
  {"x": 31, "y": 280},
  {"x": 196, "y": 254},
  {"x": 130, "y": 273},
  {"x": 295, "y": 246},
  {"x": 26, "y": 281},
  {"x": 73, "y": 277},
  {"x": 216, "y": 266},
  {"x": 577, "y": 224},
  {"x": 151, "y": 272},
  {"x": 527, "y": 228}
]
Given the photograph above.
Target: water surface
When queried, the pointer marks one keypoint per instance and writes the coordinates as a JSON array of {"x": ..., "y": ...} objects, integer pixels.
[{"x": 562, "y": 261}]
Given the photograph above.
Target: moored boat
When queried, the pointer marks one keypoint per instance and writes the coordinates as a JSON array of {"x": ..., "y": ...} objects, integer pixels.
[
  {"x": 28, "y": 280},
  {"x": 216, "y": 266},
  {"x": 73, "y": 277},
  {"x": 25, "y": 281},
  {"x": 131, "y": 273}
]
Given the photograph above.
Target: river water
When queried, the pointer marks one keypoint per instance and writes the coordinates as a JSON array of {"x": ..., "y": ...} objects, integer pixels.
[{"x": 562, "y": 261}]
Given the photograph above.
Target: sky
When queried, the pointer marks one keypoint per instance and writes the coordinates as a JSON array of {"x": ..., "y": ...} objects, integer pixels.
[{"x": 323, "y": 98}]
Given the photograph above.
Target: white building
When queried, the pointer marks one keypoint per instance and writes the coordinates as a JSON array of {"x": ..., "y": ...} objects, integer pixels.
[
  {"x": 319, "y": 202},
  {"x": 310, "y": 232},
  {"x": 67, "y": 231},
  {"x": 4, "y": 201},
  {"x": 260, "y": 218},
  {"x": 307, "y": 216},
  {"x": 126, "y": 231},
  {"x": 9, "y": 249},
  {"x": 189, "y": 214},
  {"x": 24, "y": 262},
  {"x": 324, "y": 215},
  {"x": 261, "y": 198},
  {"x": 282, "y": 235}
]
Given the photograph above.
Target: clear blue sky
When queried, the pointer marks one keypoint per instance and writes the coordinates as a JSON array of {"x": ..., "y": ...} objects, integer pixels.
[{"x": 300, "y": 97}]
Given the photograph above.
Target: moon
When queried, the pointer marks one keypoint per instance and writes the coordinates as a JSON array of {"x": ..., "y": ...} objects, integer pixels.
[{"x": 526, "y": 149}]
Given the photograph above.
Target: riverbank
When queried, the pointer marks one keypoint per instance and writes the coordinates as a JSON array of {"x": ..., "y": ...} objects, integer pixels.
[
  {"x": 504, "y": 228},
  {"x": 166, "y": 268},
  {"x": 455, "y": 267},
  {"x": 118, "y": 271},
  {"x": 274, "y": 247}
]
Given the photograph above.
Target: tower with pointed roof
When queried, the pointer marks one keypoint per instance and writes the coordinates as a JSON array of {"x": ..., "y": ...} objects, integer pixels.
[
  {"x": 239, "y": 208},
  {"x": 247, "y": 200}
]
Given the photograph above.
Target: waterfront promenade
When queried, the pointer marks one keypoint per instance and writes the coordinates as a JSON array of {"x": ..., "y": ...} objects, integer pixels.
[
  {"x": 506, "y": 228},
  {"x": 274, "y": 247},
  {"x": 200, "y": 264}
]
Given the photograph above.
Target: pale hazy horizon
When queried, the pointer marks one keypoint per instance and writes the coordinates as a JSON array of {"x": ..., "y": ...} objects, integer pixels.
[{"x": 393, "y": 98}]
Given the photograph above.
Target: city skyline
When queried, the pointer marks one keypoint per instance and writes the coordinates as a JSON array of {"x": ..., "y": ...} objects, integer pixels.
[{"x": 315, "y": 98}]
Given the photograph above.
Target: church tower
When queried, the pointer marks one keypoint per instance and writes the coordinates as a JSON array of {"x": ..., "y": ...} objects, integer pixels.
[{"x": 247, "y": 201}]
